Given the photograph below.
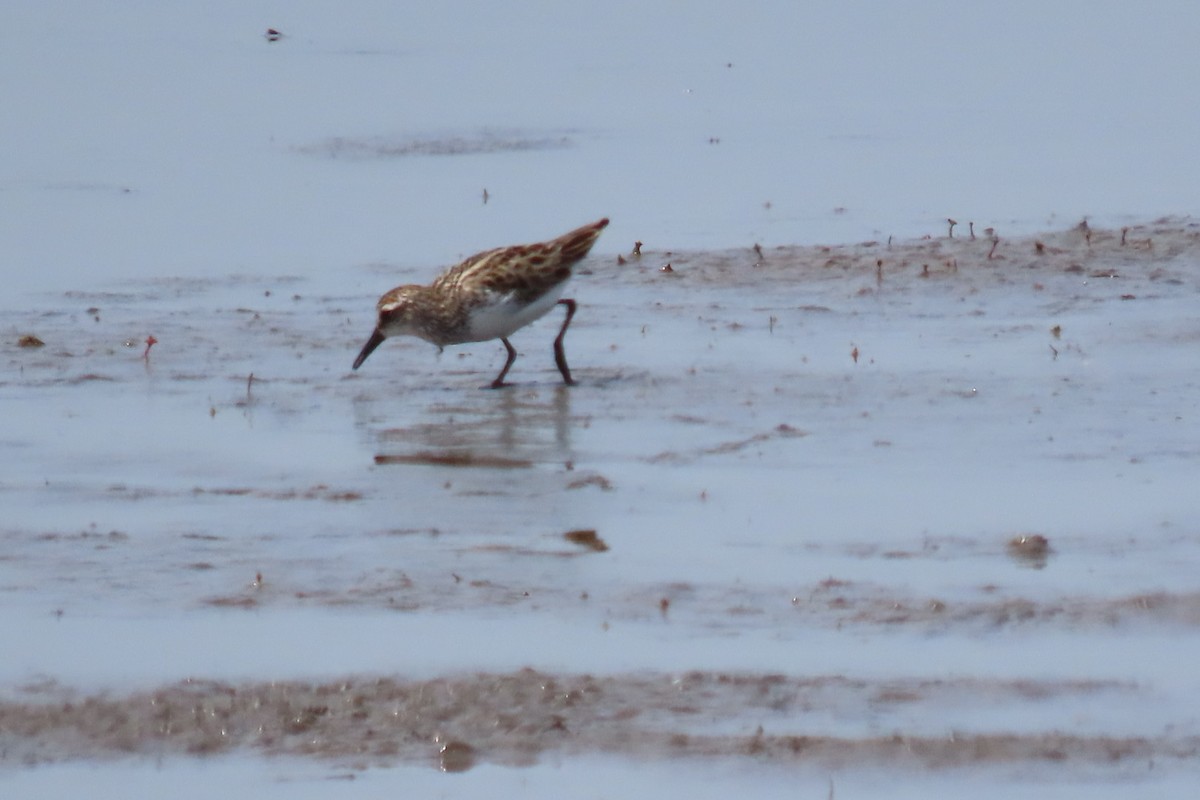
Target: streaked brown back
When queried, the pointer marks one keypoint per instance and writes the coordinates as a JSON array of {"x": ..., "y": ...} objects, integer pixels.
[{"x": 528, "y": 269}]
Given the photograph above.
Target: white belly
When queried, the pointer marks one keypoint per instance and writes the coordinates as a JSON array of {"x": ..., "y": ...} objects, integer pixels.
[{"x": 506, "y": 316}]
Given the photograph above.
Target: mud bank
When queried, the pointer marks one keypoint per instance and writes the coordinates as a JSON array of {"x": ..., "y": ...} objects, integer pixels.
[{"x": 517, "y": 718}]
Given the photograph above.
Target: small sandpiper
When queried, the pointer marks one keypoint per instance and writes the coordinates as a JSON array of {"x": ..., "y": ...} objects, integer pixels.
[{"x": 489, "y": 296}]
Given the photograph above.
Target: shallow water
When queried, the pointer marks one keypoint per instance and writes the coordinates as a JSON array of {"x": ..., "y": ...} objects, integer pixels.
[{"x": 906, "y": 502}]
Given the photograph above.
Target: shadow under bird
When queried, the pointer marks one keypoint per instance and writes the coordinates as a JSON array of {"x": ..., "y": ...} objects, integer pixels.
[{"x": 489, "y": 296}]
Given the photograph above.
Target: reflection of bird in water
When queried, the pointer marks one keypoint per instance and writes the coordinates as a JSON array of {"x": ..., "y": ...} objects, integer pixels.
[{"x": 489, "y": 296}]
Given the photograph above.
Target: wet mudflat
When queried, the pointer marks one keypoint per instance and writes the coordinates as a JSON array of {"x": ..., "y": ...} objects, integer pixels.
[{"x": 920, "y": 503}]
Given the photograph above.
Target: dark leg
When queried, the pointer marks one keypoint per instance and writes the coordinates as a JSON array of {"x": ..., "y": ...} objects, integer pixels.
[
  {"x": 512, "y": 356},
  {"x": 560, "y": 358}
]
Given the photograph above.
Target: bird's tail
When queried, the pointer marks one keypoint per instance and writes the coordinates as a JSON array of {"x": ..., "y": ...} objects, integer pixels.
[{"x": 576, "y": 244}]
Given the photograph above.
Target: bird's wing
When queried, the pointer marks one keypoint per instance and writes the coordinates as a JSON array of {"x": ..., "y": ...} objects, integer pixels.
[{"x": 526, "y": 270}]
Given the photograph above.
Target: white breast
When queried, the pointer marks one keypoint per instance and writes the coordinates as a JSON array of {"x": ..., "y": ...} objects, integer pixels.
[{"x": 505, "y": 315}]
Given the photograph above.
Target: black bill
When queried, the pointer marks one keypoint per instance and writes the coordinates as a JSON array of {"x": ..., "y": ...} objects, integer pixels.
[{"x": 369, "y": 347}]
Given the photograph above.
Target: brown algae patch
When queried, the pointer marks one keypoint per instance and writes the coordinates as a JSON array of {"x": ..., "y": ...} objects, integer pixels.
[
  {"x": 587, "y": 539},
  {"x": 515, "y": 718},
  {"x": 1030, "y": 549}
]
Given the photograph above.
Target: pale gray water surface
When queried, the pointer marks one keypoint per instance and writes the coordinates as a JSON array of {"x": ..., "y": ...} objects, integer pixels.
[{"x": 885, "y": 518}]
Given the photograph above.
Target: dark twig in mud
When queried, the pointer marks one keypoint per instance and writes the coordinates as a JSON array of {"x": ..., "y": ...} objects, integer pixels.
[
  {"x": 454, "y": 459},
  {"x": 783, "y": 430}
]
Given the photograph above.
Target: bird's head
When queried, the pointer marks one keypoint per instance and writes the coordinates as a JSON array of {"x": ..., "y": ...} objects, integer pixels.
[{"x": 397, "y": 313}]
